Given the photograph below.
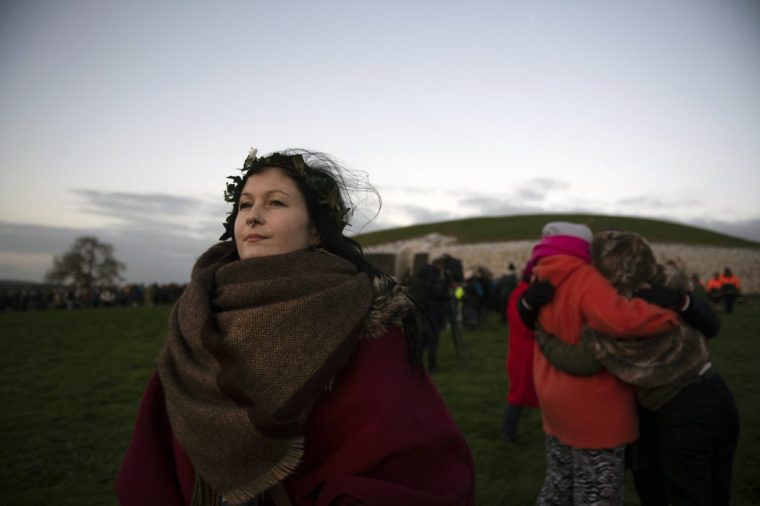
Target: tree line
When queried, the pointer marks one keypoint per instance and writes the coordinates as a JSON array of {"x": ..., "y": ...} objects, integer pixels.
[{"x": 87, "y": 275}]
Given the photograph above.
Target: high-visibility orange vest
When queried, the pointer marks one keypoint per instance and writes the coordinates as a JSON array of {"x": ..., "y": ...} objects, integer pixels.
[
  {"x": 730, "y": 280},
  {"x": 713, "y": 284}
]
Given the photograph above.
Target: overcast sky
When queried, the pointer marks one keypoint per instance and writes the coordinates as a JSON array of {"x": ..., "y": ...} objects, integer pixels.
[{"x": 122, "y": 119}]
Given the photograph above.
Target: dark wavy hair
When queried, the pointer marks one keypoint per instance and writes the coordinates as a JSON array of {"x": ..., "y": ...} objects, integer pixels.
[{"x": 326, "y": 187}]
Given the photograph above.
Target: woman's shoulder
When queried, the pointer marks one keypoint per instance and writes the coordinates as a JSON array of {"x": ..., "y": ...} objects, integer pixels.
[
  {"x": 379, "y": 376},
  {"x": 391, "y": 307},
  {"x": 382, "y": 416},
  {"x": 383, "y": 354},
  {"x": 559, "y": 268}
]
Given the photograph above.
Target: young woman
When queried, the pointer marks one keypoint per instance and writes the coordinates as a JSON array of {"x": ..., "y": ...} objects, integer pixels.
[{"x": 291, "y": 372}]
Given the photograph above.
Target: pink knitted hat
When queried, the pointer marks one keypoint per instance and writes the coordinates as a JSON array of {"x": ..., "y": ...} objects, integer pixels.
[{"x": 563, "y": 238}]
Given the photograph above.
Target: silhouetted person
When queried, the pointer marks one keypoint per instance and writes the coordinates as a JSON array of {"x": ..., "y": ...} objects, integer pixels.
[
  {"x": 729, "y": 289},
  {"x": 507, "y": 283}
]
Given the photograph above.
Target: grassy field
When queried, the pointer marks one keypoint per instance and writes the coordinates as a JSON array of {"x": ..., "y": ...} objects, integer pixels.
[
  {"x": 512, "y": 474},
  {"x": 71, "y": 384}
]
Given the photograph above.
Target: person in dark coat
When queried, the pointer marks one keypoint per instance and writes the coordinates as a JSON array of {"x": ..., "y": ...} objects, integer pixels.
[
  {"x": 507, "y": 283},
  {"x": 730, "y": 287},
  {"x": 430, "y": 290}
]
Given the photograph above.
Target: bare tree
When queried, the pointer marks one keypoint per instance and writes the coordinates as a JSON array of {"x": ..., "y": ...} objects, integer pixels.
[{"x": 89, "y": 263}]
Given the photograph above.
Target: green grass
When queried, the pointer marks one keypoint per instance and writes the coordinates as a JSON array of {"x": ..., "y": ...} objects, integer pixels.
[
  {"x": 475, "y": 390},
  {"x": 72, "y": 381},
  {"x": 516, "y": 228}
]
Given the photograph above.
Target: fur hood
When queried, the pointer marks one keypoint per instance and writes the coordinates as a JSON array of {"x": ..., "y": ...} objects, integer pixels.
[{"x": 391, "y": 307}]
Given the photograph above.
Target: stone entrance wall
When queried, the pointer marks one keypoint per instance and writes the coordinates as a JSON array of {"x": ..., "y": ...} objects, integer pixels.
[{"x": 704, "y": 260}]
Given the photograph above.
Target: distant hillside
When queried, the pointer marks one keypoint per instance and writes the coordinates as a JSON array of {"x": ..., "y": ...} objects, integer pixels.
[{"x": 528, "y": 227}]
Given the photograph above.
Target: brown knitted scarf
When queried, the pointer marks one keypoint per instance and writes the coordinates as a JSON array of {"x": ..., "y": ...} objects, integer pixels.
[{"x": 252, "y": 344}]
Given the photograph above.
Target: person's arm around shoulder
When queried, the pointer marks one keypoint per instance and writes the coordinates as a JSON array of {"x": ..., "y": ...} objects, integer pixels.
[
  {"x": 575, "y": 359},
  {"x": 694, "y": 310},
  {"x": 700, "y": 315},
  {"x": 609, "y": 312}
]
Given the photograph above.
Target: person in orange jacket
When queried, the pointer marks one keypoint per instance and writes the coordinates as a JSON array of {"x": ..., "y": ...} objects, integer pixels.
[
  {"x": 730, "y": 287},
  {"x": 713, "y": 289},
  {"x": 688, "y": 422},
  {"x": 587, "y": 421}
]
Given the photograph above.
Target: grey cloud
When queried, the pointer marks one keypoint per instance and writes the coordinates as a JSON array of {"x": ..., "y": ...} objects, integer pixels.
[
  {"x": 152, "y": 207},
  {"x": 746, "y": 229},
  {"x": 536, "y": 189},
  {"x": 372, "y": 226},
  {"x": 157, "y": 236},
  {"x": 149, "y": 255},
  {"x": 424, "y": 215},
  {"x": 531, "y": 194},
  {"x": 158, "y": 212},
  {"x": 156, "y": 256},
  {"x": 26, "y": 251},
  {"x": 649, "y": 201},
  {"x": 516, "y": 199},
  {"x": 24, "y": 238},
  {"x": 121, "y": 204},
  {"x": 520, "y": 199},
  {"x": 646, "y": 204},
  {"x": 27, "y": 271},
  {"x": 637, "y": 201},
  {"x": 417, "y": 214},
  {"x": 489, "y": 206},
  {"x": 546, "y": 184},
  {"x": 404, "y": 188}
]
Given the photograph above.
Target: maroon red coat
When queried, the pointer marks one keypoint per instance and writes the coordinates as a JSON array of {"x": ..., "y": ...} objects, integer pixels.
[
  {"x": 381, "y": 436},
  {"x": 519, "y": 363}
]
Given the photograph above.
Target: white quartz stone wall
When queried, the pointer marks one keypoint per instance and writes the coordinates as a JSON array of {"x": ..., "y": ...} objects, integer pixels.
[{"x": 704, "y": 260}]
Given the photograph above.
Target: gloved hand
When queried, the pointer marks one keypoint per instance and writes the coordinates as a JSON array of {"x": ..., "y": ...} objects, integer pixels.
[
  {"x": 538, "y": 294},
  {"x": 694, "y": 310},
  {"x": 670, "y": 298},
  {"x": 535, "y": 296}
]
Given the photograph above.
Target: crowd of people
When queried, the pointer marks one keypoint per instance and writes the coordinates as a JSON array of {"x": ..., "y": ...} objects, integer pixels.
[
  {"x": 723, "y": 290},
  {"x": 296, "y": 372},
  {"x": 455, "y": 300},
  {"x": 617, "y": 361},
  {"x": 133, "y": 294}
]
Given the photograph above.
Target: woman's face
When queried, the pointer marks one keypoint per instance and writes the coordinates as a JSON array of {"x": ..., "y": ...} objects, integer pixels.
[{"x": 272, "y": 216}]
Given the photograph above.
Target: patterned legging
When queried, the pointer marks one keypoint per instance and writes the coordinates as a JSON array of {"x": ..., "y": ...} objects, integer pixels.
[{"x": 577, "y": 477}]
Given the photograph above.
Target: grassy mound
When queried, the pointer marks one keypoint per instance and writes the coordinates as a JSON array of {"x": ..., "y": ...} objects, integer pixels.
[{"x": 528, "y": 227}]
